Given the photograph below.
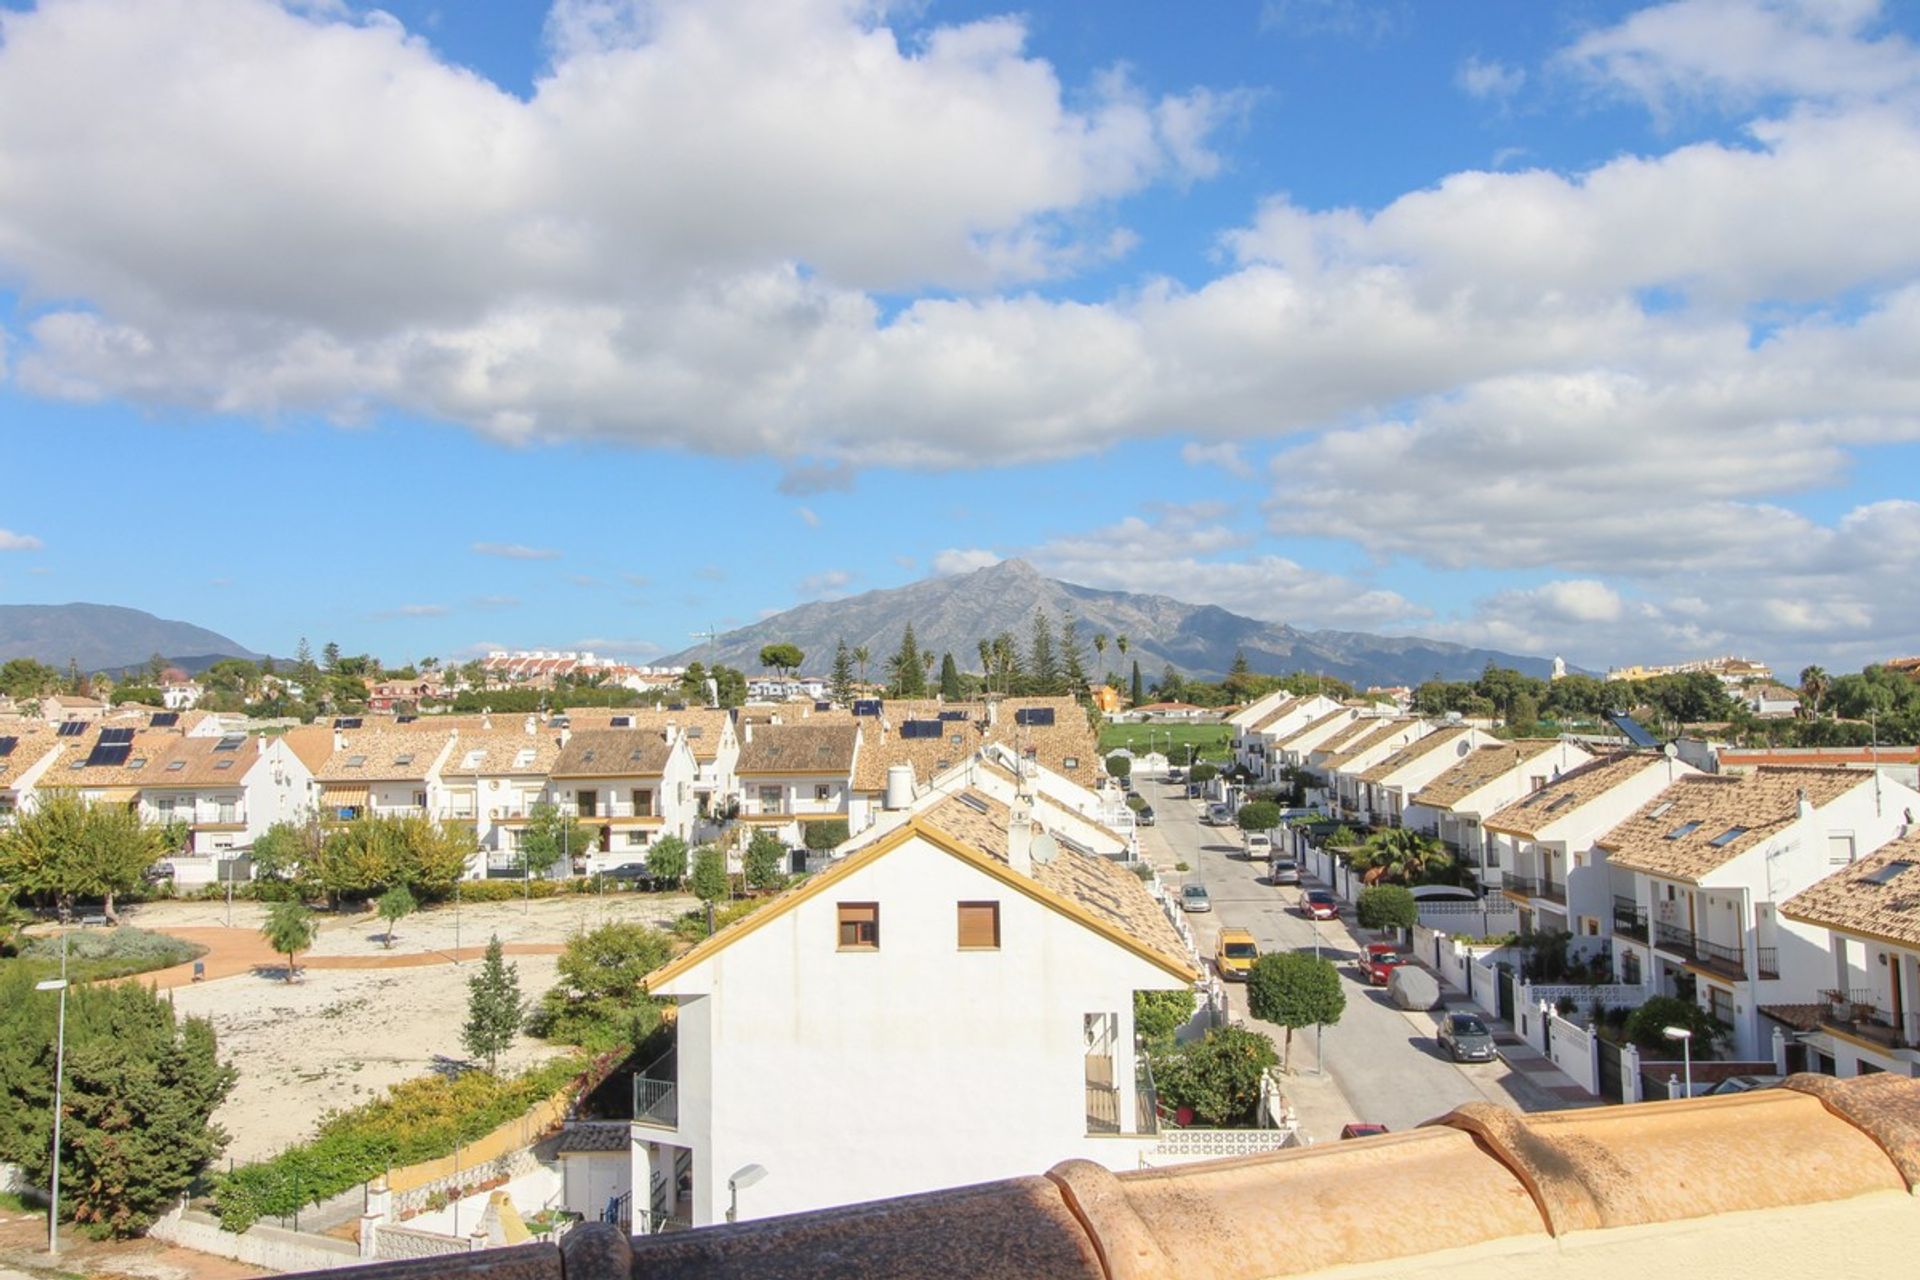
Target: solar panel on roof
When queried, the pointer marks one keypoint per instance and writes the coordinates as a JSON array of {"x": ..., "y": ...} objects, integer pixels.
[
  {"x": 1033, "y": 715},
  {"x": 621, "y": 722},
  {"x": 953, "y": 715},
  {"x": 1632, "y": 730},
  {"x": 7, "y": 745},
  {"x": 115, "y": 737},
  {"x": 405, "y": 719},
  {"x": 920, "y": 729},
  {"x": 347, "y": 722},
  {"x": 72, "y": 728},
  {"x": 866, "y": 706},
  {"x": 823, "y": 706},
  {"x": 230, "y": 742},
  {"x": 109, "y": 754},
  {"x": 164, "y": 720}
]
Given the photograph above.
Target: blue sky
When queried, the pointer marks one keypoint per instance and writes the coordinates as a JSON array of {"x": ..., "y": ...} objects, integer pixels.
[{"x": 1580, "y": 328}]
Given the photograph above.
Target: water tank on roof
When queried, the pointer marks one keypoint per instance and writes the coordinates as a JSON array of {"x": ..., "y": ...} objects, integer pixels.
[{"x": 899, "y": 786}]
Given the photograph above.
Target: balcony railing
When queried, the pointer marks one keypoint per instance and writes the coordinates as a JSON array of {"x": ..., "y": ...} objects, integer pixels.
[
  {"x": 1629, "y": 920},
  {"x": 1769, "y": 960},
  {"x": 1857, "y": 1013},
  {"x": 1146, "y": 1098},
  {"x": 1103, "y": 1097},
  {"x": 1671, "y": 937},
  {"x": 1552, "y": 891},
  {"x": 1525, "y": 886},
  {"x": 656, "y": 1100}
]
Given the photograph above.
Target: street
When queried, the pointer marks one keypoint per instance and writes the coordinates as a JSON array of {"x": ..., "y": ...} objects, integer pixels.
[{"x": 1382, "y": 1063}]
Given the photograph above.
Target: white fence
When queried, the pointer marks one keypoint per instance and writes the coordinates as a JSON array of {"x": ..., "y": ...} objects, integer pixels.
[
  {"x": 1484, "y": 985},
  {"x": 400, "y": 1243},
  {"x": 1482, "y": 918},
  {"x": 268, "y": 1247},
  {"x": 1616, "y": 995},
  {"x": 1572, "y": 1049}
]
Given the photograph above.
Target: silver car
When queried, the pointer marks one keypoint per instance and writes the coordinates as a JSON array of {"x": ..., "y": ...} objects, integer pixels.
[
  {"x": 1193, "y": 897},
  {"x": 1466, "y": 1038},
  {"x": 1283, "y": 871}
]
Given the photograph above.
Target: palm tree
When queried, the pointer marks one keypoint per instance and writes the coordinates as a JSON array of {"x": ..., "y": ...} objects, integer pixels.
[
  {"x": 862, "y": 656},
  {"x": 1100, "y": 648},
  {"x": 1401, "y": 855},
  {"x": 1122, "y": 644},
  {"x": 1814, "y": 683}
]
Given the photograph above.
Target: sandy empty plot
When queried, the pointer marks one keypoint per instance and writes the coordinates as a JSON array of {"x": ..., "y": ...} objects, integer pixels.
[{"x": 337, "y": 1037}]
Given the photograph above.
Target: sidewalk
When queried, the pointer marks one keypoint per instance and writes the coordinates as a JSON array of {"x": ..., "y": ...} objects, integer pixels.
[{"x": 1534, "y": 1083}]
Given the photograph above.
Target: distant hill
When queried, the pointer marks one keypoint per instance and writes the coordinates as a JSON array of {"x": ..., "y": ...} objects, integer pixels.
[
  {"x": 954, "y": 614},
  {"x": 103, "y": 637}
]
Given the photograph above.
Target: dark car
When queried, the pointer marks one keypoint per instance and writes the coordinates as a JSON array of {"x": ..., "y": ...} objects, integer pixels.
[
  {"x": 1145, "y": 816},
  {"x": 1466, "y": 1038},
  {"x": 636, "y": 872},
  {"x": 1176, "y": 775}
]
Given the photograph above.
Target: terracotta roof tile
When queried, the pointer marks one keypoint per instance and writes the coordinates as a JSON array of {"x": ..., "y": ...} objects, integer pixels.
[
  {"x": 33, "y": 741},
  {"x": 1359, "y": 744},
  {"x": 1680, "y": 833},
  {"x": 384, "y": 755},
  {"x": 612, "y": 753},
  {"x": 799, "y": 748},
  {"x": 1313, "y": 726},
  {"x": 1568, "y": 792},
  {"x": 706, "y": 726},
  {"x": 1877, "y": 897},
  {"x": 204, "y": 762},
  {"x": 503, "y": 753},
  {"x": 1478, "y": 769},
  {"x": 1278, "y": 713},
  {"x": 1414, "y": 750}
]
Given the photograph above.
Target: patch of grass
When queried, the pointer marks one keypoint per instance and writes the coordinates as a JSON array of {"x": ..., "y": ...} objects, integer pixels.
[
  {"x": 103, "y": 953},
  {"x": 1210, "y": 741},
  {"x": 12, "y": 1203}
]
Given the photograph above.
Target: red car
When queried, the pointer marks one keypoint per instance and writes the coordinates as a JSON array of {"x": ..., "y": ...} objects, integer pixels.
[
  {"x": 1379, "y": 961},
  {"x": 1362, "y": 1130},
  {"x": 1318, "y": 904}
]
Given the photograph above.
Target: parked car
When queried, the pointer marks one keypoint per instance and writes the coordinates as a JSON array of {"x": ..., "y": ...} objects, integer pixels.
[
  {"x": 1258, "y": 846},
  {"x": 1318, "y": 904},
  {"x": 1746, "y": 1084},
  {"x": 1379, "y": 961},
  {"x": 1466, "y": 1038},
  {"x": 1193, "y": 897},
  {"x": 1218, "y": 815},
  {"x": 635, "y": 871},
  {"x": 1176, "y": 775},
  {"x": 1234, "y": 954},
  {"x": 1144, "y": 817},
  {"x": 1362, "y": 1130},
  {"x": 1283, "y": 871}
]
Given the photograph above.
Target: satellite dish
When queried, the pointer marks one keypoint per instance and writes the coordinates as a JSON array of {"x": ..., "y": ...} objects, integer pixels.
[
  {"x": 1671, "y": 750},
  {"x": 1043, "y": 848}
]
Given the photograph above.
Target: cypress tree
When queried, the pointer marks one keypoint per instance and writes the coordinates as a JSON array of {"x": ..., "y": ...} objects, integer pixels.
[
  {"x": 909, "y": 677},
  {"x": 950, "y": 679},
  {"x": 1043, "y": 663},
  {"x": 1138, "y": 692}
]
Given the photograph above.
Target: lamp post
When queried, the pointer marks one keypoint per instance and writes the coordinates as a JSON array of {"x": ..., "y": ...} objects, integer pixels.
[
  {"x": 59, "y": 1080},
  {"x": 743, "y": 1177},
  {"x": 1685, "y": 1037}
]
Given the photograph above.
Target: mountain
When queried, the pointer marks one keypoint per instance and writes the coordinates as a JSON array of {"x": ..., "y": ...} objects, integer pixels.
[
  {"x": 104, "y": 636},
  {"x": 954, "y": 614}
]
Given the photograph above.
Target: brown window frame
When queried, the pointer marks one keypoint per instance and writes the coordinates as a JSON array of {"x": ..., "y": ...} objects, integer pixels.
[
  {"x": 844, "y": 920},
  {"x": 960, "y": 922}
]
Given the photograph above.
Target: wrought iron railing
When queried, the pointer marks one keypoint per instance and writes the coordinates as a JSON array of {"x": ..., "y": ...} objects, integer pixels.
[
  {"x": 1857, "y": 1012},
  {"x": 1629, "y": 920},
  {"x": 1768, "y": 959},
  {"x": 1526, "y": 886},
  {"x": 1671, "y": 937},
  {"x": 656, "y": 1099}
]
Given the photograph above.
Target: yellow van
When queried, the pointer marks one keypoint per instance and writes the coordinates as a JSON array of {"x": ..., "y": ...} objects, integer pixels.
[{"x": 1234, "y": 954}]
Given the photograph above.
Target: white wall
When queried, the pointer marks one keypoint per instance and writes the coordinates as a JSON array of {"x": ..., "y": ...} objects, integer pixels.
[{"x": 854, "y": 1075}]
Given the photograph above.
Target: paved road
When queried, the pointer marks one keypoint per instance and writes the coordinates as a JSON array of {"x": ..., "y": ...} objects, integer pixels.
[{"x": 1383, "y": 1060}]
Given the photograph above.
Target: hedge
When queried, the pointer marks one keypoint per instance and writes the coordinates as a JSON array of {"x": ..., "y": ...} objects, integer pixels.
[{"x": 417, "y": 1120}]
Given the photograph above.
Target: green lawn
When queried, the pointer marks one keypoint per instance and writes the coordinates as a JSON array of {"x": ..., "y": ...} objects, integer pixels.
[{"x": 1211, "y": 741}]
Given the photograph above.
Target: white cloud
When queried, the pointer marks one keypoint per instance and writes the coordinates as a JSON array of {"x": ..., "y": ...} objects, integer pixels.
[
  {"x": 496, "y": 602},
  {"x": 953, "y": 561},
  {"x": 830, "y": 584},
  {"x": 413, "y": 611},
  {"x": 11, "y": 541},
  {"x": 1489, "y": 78},
  {"x": 1225, "y": 455},
  {"x": 514, "y": 551},
  {"x": 808, "y": 517}
]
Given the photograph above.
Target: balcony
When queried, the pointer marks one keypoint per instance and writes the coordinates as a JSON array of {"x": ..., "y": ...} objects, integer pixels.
[
  {"x": 656, "y": 1101},
  {"x": 1768, "y": 959},
  {"x": 1629, "y": 920},
  {"x": 1515, "y": 885},
  {"x": 1856, "y": 1013},
  {"x": 1729, "y": 961}
]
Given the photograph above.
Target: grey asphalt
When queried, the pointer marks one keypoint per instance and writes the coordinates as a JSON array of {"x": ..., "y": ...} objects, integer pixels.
[{"x": 1383, "y": 1061}]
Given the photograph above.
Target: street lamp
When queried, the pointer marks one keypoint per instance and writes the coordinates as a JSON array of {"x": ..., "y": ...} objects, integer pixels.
[
  {"x": 743, "y": 1177},
  {"x": 1685, "y": 1037},
  {"x": 59, "y": 1079}
]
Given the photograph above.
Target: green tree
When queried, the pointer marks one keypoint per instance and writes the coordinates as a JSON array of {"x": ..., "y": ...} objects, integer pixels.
[
  {"x": 289, "y": 930},
  {"x": 599, "y": 1001},
  {"x": 784, "y": 658},
  {"x": 1044, "y": 674},
  {"x": 330, "y": 656},
  {"x": 1258, "y": 815},
  {"x": 69, "y": 849},
  {"x": 950, "y": 687},
  {"x": 282, "y": 849},
  {"x": 1137, "y": 694},
  {"x": 494, "y": 1007},
  {"x": 552, "y": 837},
  {"x": 862, "y": 655},
  {"x": 395, "y": 905},
  {"x": 1203, "y": 773},
  {"x": 1292, "y": 990},
  {"x": 1157, "y": 1015},
  {"x": 667, "y": 860},
  {"x": 1814, "y": 683},
  {"x": 1073, "y": 659},
  {"x": 840, "y": 682},
  {"x": 1240, "y": 678},
  {"x": 1401, "y": 855},
  {"x": 764, "y": 859},
  {"x": 140, "y": 1089},
  {"x": 822, "y": 836},
  {"x": 710, "y": 881},
  {"x": 1387, "y": 906},
  {"x": 1646, "y": 1026},
  {"x": 1119, "y": 766},
  {"x": 906, "y": 677},
  {"x": 1217, "y": 1077}
]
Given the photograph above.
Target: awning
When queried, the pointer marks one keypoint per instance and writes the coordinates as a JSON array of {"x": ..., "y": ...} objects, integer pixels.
[
  {"x": 343, "y": 797},
  {"x": 114, "y": 795}
]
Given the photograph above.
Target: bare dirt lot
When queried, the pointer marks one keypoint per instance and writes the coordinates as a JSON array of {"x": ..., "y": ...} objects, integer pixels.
[{"x": 337, "y": 1036}]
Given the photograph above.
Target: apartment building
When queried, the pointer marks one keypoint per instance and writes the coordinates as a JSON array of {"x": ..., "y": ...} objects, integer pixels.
[
  {"x": 634, "y": 786},
  {"x": 1456, "y": 803}
]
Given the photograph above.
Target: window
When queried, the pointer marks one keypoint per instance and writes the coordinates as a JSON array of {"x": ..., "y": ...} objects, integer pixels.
[
  {"x": 635, "y": 838},
  {"x": 1683, "y": 830},
  {"x": 589, "y": 804},
  {"x": 770, "y": 799},
  {"x": 643, "y": 804},
  {"x": 226, "y": 811},
  {"x": 1071, "y": 762},
  {"x": 1839, "y": 849},
  {"x": 1720, "y": 1003},
  {"x": 859, "y": 926},
  {"x": 822, "y": 792},
  {"x": 1727, "y": 837},
  {"x": 979, "y": 926},
  {"x": 419, "y": 799}
]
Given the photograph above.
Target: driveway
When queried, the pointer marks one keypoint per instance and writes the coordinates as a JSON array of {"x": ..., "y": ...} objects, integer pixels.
[{"x": 1383, "y": 1061}]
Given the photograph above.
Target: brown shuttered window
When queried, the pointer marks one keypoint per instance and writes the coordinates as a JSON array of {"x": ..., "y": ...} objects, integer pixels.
[
  {"x": 859, "y": 926},
  {"x": 979, "y": 926}
]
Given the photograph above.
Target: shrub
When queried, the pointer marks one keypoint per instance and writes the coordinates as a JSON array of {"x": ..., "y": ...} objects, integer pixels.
[
  {"x": 1203, "y": 773},
  {"x": 598, "y": 1001},
  {"x": 1646, "y": 1026},
  {"x": 1181, "y": 866},
  {"x": 1119, "y": 766},
  {"x": 1387, "y": 906},
  {"x": 1157, "y": 1015},
  {"x": 106, "y": 953},
  {"x": 1293, "y": 989},
  {"x": 1217, "y": 1077},
  {"x": 1258, "y": 815},
  {"x": 822, "y": 836},
  {"x": 1136, "y": 802}
]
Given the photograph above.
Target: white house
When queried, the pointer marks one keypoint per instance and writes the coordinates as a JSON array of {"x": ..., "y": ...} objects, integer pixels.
[
  {"x": 1540, "y": 849},
  {"x": 1254, "y": 742},
  {"x": 1707, "y": 863},
  {"x": 1454, "y": 804},
  {"x": 224, "y": 792},
  {"x": 181, "y": 695},
  {"x": 1384, "y": 787},
  {"x": 1339, "y": 762},
  {"x": 791, "y": 775},
  {"x": 28, "y": 749},
  {"x": 1292, "y": 749},
  {"x": 1869, "y": 1018},
  {"x": 384, "y": 770},
  {"x": 635, "y": 786},
  {"x": 950, "y": 1004},
  {"x": 494, "y": 778}
]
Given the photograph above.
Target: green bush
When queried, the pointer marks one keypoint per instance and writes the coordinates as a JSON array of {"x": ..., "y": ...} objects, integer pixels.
[
  {"x": 822, "y": 836},
  {"x": 1387, "y": 906},
  {"x": 1119, "y": 766},
  {"x": 1217, "y": 1077},
  {"x": 416, "y": 1120},
  {"x": 106, "y": 953},
  {"x": 1646, "y": 1026}
]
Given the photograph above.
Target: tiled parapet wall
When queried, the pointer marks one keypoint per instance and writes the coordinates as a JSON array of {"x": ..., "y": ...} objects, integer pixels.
[{"x": 1479, "y": 1178}]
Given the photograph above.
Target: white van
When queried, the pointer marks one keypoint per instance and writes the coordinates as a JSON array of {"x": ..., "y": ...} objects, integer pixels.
[{"x": 1259, "y": 846}]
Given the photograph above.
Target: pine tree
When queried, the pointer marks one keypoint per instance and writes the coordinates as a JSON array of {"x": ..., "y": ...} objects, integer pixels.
[
  {"x": 289, "y": 930},
  {"x": 494, "y": 1006},
  {"x": 1139, "y": 692},
  {"x": 950, "y": 679},
  {"x": 908, "y": 679},
  {"x": 330, "y": 656},
  {"x": 1043, "y": 663},
  {"x": 1072, "y": 657},
  {"x": 841, "y": 681}
]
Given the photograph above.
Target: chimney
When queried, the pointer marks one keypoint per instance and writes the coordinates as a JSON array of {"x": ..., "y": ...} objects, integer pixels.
[
  {"x": 339, "y": 740},
  {"x": 747, "y": 731},
  {"x": 1805, "y": 806},
  {"x": 1020, "y": 837},
  {"x": 566, "y": 732}
]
